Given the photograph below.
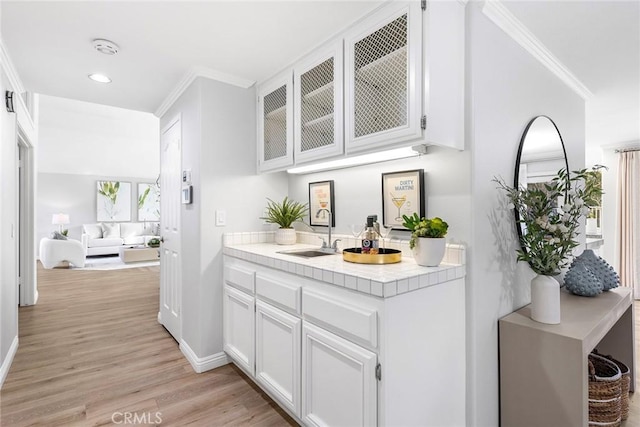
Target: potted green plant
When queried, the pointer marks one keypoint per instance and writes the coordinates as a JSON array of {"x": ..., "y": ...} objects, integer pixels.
[
  {"x": 427, "y": 239},
  {"x": 284, "y": 214}
]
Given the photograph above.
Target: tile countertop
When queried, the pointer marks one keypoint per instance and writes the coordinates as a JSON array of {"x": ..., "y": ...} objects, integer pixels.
[{"x": 379, "y": 280}]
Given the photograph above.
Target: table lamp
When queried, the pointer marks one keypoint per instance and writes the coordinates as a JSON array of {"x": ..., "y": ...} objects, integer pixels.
[{"x": 60, "y": 219}]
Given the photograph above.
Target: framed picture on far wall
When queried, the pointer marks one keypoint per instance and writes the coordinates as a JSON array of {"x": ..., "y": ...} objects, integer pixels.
[
  {"x": 148, "y": 202},
  {"x": 402, "y": 194},
  {"x": 321, "y": 202},
  {"x": 113, "y": 201}
]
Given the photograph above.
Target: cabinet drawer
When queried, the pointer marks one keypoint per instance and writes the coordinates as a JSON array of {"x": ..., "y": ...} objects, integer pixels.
[
  {"x": 357, "y": 323},
  {"x": 240, "y": 278},
  {"x": 279, "y": 293}
]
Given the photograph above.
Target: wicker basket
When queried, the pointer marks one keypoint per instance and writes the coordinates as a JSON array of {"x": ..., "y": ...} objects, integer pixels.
[
  {"x": 625, "y": 381},
  {"x": 604, "y": 392}
]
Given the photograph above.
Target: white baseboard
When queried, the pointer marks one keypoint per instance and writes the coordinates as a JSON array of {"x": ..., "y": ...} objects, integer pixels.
[
  {"x": 202, "y": 364},
  {"x": 6, "y": 364}
]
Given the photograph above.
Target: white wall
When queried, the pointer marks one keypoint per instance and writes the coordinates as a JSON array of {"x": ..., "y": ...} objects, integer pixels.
[
  {"x": 219, "y": 146},
  {"x": 8, "y": 232},
  {"x": 83, "y": 138},
  {"x": 506, "y": 88},
  {"x": 80, "y": 143},
  {"x": 358, "y": 190}
]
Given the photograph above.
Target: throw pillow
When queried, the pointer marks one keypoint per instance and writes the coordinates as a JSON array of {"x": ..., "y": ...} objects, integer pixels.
[
  {"x": 110, "y": 231},
  {"x": 56, "y": 235},
  {"x": 94, "y": 231}
]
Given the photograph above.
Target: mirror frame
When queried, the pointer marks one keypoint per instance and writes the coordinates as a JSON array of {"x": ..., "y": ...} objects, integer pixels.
[{"x": 519, "y": 156}]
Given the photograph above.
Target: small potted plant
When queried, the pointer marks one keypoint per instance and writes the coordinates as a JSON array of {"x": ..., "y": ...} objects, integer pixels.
[
  {"x": 284, "y": 214},
  {"x": 427, "y": 239}
]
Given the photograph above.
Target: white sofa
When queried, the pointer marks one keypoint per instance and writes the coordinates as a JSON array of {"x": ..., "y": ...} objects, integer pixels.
[{"x": 108, "y": 238}]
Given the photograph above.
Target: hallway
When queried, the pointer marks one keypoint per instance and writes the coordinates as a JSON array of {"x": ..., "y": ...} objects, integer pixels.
[{"x": 92, "y": 353}]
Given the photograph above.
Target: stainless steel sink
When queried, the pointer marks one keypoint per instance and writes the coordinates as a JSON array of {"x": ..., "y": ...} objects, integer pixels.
[{"x": 306, "y": 253}]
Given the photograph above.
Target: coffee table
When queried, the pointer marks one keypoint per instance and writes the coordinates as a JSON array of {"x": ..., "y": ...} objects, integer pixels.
[{"x": 130, "y": 254}]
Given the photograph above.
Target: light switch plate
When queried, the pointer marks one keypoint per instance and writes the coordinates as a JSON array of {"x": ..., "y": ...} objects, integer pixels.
[{"x": 221, "y": 218}]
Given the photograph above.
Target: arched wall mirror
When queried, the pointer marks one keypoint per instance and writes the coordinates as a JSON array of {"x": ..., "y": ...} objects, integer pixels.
[{"x": 541, "y": 155}]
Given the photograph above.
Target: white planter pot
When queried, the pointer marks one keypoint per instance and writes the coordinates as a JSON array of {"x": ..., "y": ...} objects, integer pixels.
[
  {"x": 429, "y": 251},
  {"x": 592, "y": 226},
  {"x": 286, "y": 236},
  {"x": 545, "y": 300}
]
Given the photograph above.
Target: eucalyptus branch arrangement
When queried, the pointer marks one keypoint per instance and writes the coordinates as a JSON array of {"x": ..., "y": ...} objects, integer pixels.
[{"x": 550, "y": 215}]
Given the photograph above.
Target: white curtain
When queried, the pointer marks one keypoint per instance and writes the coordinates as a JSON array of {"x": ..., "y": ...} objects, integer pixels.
[{"x": 629, "y": 220}]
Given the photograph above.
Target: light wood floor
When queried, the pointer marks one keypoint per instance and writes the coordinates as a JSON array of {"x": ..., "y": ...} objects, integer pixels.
[{"x": 91, "y": 349}]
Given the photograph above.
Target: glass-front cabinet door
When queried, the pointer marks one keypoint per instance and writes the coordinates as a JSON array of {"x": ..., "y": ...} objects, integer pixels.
[
  {"x": 318, "y": 100},
  {"x": 383, "y": 70},
  {"x": 275, "y": 123}
]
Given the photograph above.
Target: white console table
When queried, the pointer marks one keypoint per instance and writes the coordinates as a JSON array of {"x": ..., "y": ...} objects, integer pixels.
[{"x": 543, "y": 368}]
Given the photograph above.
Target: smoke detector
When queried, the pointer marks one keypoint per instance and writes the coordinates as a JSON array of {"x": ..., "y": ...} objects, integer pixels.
[{"x": 105, "y": 46}]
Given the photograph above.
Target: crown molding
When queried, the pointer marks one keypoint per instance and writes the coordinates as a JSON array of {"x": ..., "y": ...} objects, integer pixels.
[
  {"x": 10, "y": 70},
  {"x": 189, "y": 77},
  {"x": 496, "y": 11}
]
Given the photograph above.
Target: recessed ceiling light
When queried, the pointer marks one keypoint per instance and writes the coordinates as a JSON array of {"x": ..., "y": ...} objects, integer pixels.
[
  {"x": 100, "y": 78},
  {"x": 105, "y": 46}
]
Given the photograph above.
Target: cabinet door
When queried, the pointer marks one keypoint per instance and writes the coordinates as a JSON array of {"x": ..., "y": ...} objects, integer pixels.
[
  {"x": 238, "y": 319},
  {"x": 339, "y": 386},
  {"x": 318, "y": 105},
  {"x": 383, "y": 88},
  {"x": 275, "y": 123},
  {"x": 443, "y": 41},
  {"x": 278, "y": 347}
]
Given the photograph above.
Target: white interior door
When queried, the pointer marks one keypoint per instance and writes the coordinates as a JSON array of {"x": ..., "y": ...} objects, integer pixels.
[{"x": 170, "y": 252}]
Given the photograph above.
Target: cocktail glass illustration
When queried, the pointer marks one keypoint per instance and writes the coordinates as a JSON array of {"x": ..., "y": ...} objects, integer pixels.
[{"x": 398, "y": 201}]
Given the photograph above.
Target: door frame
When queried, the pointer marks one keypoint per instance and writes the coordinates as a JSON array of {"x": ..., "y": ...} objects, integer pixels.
[{"x": 27, "y": 267}]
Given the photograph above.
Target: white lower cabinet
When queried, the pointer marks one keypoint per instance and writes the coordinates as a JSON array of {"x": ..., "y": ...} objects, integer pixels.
[
  {"x": 239, "y": 319},
  {"x": 338, "y": 380},
  {"x": 278, "y": 345},
  {"x": 330, "y": 356}
]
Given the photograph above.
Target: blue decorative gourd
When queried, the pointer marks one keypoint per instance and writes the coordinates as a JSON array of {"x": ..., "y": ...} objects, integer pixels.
[{"x": 589, "y": 275}]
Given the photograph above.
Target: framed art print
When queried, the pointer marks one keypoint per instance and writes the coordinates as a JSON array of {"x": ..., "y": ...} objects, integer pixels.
[
  {"x": 113, "y": 201},
  {"x": 321, "y": 202},
  {"x": 402, "y": 194}
]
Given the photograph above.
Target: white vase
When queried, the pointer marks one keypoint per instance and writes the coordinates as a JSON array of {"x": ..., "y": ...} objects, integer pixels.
[
  {"x": 429, "y": 251},
  {"x": 285, "y": 236},
  {"x": 545, "y": 299}
]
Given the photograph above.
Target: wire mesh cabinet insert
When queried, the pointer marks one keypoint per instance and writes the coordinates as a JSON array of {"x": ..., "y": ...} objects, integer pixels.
[
  {"x": 383, "y": 69},
  {"x": 318, "y": 82},
  {"x": 275, "y": 123}
]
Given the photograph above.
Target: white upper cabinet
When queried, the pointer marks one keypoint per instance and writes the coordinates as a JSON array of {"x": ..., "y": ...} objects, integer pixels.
[
  {"x": 275, "y": 123},
  {"x": 443, "y": 47},
  {"x": 383, "y": 70},
  {"x": 394, "y": 78},
  {"x": 318, "y": 102}
]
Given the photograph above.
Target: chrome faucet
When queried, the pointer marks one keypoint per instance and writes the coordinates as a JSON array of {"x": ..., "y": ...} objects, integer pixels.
[{"x": 330, "y": 246}]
